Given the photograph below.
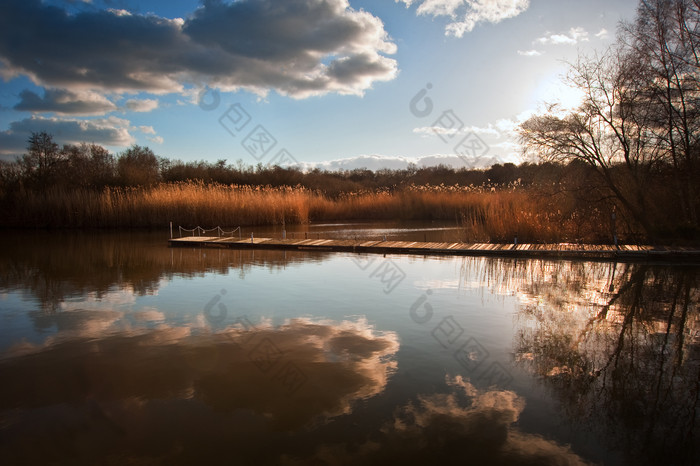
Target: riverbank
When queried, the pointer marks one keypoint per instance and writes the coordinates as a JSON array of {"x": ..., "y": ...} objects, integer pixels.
[{"x": 486, "y": 213}]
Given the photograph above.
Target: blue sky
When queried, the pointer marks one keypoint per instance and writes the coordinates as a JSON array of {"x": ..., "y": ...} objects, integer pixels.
[{"x": 334, "y": 83}]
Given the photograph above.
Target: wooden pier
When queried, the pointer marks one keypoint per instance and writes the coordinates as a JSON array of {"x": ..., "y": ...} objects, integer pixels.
[{"x": 554, "y": 251}]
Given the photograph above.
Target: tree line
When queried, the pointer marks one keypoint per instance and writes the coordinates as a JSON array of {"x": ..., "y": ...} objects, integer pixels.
[{"x": 46, "y": 164}]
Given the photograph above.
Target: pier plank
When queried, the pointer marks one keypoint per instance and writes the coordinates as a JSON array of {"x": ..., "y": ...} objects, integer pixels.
[{"x": 525, "y": 250}]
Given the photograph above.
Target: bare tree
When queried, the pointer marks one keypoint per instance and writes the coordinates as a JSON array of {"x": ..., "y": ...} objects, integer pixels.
[
  {"x": 42, "y": 157},
  {"x": 605, "y": 132},
  {"x": 665, "y": 41},
  {"x": 640, "y": 118}
]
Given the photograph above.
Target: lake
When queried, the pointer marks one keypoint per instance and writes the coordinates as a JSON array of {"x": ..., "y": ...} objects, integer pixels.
[{"x": 115, "y": 349}]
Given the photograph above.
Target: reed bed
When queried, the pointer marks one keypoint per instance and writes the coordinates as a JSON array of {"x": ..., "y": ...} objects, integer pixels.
[{"x": 488, "y": 213}]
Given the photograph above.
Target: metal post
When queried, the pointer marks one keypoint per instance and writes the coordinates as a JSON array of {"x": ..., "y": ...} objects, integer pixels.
[
  {"x": 171, "y": 230},
  {"x": 251, "y": 238}
]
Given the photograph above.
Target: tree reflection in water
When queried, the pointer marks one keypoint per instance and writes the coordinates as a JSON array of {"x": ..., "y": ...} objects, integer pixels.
[
  {"x": 617, "y": 345},
  {"x": 53, "y": 268}
]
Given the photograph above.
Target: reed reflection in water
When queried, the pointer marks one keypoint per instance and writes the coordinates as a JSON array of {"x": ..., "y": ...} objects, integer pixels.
[{"x": 110, "y": 369}]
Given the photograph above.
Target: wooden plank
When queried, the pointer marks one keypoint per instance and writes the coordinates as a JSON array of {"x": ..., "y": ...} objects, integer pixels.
[
  {"x": 195, "y": 239},
  {"x": 248, "y": 241},
  {"x": 562, "y": 250}
]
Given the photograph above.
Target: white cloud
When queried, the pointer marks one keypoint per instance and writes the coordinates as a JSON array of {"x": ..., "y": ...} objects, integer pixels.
[
  {"x": 141, "y": 105},
  {"x": 151, "y": 131},
  {"x": 428, "y": 131},
  {"x": 602, "y": 34},
  {"x": 439, "y": 7},
  {"x": 501, "y": 137},
  {"x": 466, "y": 14},
  {"x": 378, "y": 162},
  {"x": 574, "y": 36},
  {"x": 530, "y": 53},
  {"x": 119, "y": 12}
]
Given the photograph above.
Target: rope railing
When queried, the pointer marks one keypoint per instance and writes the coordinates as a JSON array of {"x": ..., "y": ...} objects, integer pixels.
[
  {"x": 194, "y": 231},
  {"x": 199, "y": 231},
  {"x": 230, "y": 233}
]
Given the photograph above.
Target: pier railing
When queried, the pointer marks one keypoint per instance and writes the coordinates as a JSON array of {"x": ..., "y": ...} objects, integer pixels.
[{"x": 199, "y": 231}]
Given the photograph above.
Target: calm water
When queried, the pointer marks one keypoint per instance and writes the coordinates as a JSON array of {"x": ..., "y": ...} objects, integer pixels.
[{"x": 116, "y": 349}]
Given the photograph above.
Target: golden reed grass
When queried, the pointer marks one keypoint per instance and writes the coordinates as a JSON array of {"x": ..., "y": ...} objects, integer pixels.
[{"x": 487, "y": 213}]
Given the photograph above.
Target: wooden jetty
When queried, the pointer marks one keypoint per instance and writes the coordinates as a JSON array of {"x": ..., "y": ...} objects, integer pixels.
[{"x": 554, "y": 251}]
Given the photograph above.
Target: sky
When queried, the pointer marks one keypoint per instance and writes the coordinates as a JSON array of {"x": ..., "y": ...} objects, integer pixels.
[{"x": 334, "y": 84}]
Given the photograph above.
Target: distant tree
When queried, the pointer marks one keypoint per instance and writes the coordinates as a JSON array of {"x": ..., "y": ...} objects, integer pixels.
[
  {"x": 102, "y": 165},
  {"x": 41, "y": 160},
  {"x": 138, "y": 166},
  {"x": 502, "y": 174},
  {"x": 10, "y": 175},
  {"x": 88, "y": 165}
]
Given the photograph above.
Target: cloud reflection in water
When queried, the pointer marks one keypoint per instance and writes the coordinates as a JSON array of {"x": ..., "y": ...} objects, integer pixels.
[
  {"x": 172, "y": 390},
  {"x": 463, "y": 426}
]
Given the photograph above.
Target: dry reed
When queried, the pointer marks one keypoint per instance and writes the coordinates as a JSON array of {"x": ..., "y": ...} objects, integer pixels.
[{"x": 488, "y": 213}]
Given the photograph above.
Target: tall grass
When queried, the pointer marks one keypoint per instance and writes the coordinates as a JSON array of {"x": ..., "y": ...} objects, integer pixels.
[{"x": 488, "y": 213}]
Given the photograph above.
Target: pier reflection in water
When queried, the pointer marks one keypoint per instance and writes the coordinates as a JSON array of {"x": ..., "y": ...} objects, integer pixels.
[{"x": 118, "y": 349}]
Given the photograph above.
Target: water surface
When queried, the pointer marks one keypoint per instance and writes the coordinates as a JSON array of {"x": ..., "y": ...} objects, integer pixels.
[{"x": 117, "y": 349}]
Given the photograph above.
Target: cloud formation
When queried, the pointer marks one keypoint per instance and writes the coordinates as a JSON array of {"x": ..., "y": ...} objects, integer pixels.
[
  {"x": 602, "y": 34},
  {"x": 111, "y": 131},
  {"x": 530, "y": 53},
  {"x": 465, "y": 426},
  {"x": 236, "y": 369},
  {"x": 574, "y": 36},
  {"x": 466, "y": 14},
  {"x": 378, "y": 162},
  {"x": 141, "y": 105},
  {"x": 65, "y": 102},
  {"x": 298, "y": 48}
]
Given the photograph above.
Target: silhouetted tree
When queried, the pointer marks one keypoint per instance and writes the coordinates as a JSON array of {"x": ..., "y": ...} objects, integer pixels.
[
  {"x": 40, "y": 162},
  {"x": 138, "y": 166},
  {"x": 639, "y": 120}
]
